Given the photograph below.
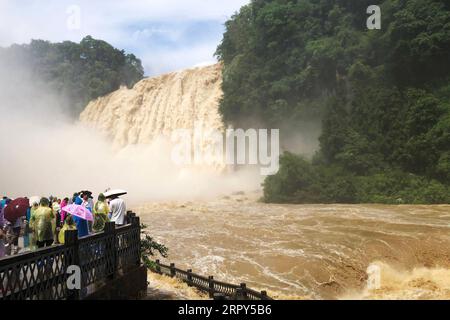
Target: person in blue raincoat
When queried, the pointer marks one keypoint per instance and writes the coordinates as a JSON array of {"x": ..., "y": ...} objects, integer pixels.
[
  {"x": 3, "y": 202},
  {"x": 77, "y": 199},
  {"x": 82, "y": 226}
]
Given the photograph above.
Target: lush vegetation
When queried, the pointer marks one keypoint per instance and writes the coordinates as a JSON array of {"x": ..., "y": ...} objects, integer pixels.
[
  {"x": 150, "y": 248},
  {"x": 77, "y": 72},
  {"x": 383, "y": 96}
]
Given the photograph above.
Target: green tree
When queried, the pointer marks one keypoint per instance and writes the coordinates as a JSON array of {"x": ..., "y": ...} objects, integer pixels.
[
  {"x": 382, "y": 95},
  {"x": 78, "y": 72}
]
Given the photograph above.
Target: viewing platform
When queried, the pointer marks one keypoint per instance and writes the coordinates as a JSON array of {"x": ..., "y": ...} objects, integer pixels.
[
  {"x": 109, "y": 267},
  {"x": 109, "y": 262}
]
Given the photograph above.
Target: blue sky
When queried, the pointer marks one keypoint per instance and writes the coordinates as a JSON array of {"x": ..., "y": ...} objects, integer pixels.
[{"x": 167, "y": 35}]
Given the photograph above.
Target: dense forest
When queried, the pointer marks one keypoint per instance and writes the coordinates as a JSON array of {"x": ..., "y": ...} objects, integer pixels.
[
  {"x": 382, "y": 96},
  {"x": 77, "y": 72}
]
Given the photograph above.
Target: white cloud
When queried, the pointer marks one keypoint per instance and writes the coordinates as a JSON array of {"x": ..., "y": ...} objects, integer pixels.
[
  {"x": 143, "y": 34},
  {"x": 125, "y": 24}
]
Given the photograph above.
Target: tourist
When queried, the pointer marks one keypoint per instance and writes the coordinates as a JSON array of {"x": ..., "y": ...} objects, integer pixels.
[
  {"x": 69, "y": 224},
  {"x": 3, "y": 221},
  {"x": 56, "y": 206},
  {"x": 3, "y": 202},
  {"x": 51, "y": 200},
  {"x": 27, "y": 231},
  {"x": 117, "y": 210},
  {"x": 82, "y": 226},
  {"x": 88, "y": 203},
  {"x": 64, "y": 202},
  {"x": 28, "y": 216},
  {"x": 2, "y": 244},
  {"x": 43, "y": 223},
  {"x": 12, "y": 230},
  {"x": 101, "y": 211},
  {"x": 30, "y": 213},
  {"x": 2, "y": 217},
  {"x": 90, "y": 199},
  {"x": 76, "y": 199},
  {"x": 33, "y": 208},
  {"x": 15, "y": 229}
]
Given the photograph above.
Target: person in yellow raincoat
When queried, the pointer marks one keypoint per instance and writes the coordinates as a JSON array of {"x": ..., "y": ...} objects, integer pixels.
[
  {"x": 43, "y": 223},
  {"x": 101, "y": 211},
  {"x": 69, "y": 224}
]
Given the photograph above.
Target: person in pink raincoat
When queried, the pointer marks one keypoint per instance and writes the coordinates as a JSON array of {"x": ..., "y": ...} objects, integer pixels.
[{"x": 64, "y": 203}]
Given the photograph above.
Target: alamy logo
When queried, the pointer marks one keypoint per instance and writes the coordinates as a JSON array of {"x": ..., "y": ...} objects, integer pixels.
[
  {"x": 74, "y": 279},
  {"x": 374, "y": 20},
  {"x": 74, "y": 17},
  {"x": 234, "y": 147},
  {"x": 374, "y": 277}
]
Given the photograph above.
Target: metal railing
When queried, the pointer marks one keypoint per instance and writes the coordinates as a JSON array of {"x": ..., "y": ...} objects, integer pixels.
[
  {"x": 42, "y": 274},
  {"x": 215, "y": 289}
]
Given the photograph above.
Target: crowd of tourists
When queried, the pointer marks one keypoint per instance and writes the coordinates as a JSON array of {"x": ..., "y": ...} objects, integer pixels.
[{"x": 45, "y": 220}]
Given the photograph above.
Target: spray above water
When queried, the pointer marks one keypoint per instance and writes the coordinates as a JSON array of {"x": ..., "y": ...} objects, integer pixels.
[
  {"x": 309, "y": 251},
  {"x": 420, "y": 283},
  {"x": 121, "y": 140}
]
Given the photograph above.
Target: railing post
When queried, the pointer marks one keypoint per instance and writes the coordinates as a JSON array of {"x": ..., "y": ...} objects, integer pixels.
[
  {"x": 244, "y": 290},
  {"x": 71, "y": 240},
  {"x": 189, "y": 278},
  {"x": 129, "y": 216},
  {"x": 211, "y": 286},
  {"x": 135, "y": 221},
  {"x": 111, "y": 248},
  {"x": 264, "y": 295},
  {"x": 172, "y": 270},
  {"x": 238, "y": 294},
  {"x": 158, "y": 266}
]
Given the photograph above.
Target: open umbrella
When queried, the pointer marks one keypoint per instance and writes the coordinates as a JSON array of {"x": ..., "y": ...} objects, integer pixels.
[
  {"x": 16, "y": 209},
  {"x": 114, "y": 192},
  {"x": 89, "y": 193},
  {"x": 35, "y": 199},
  {"x": 79, "y": 211}
]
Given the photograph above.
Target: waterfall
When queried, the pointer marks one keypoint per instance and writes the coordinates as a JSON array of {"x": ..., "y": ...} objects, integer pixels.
[{"x": 158, "y": 106}]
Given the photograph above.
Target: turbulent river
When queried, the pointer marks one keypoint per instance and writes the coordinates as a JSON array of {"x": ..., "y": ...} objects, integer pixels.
[
  {"x": 293, "y": 251},
  {"x": 310, "y": 251}
]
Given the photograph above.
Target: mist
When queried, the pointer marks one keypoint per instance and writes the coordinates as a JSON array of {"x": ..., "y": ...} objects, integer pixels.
[
  {"x": 45, "y": 152},
  {"x": 297, "y": 136}
]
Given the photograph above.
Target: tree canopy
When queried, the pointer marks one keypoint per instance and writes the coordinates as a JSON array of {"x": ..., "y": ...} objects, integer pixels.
[
  {"x": 382, "y": 96},
  {"x": 79, "y": 72}
]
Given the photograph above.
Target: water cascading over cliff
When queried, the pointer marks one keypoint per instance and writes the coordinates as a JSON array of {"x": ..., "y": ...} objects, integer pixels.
[
  {"x": 138, "y": 124},
  {"x": 156, "y": 106},
  {"x": 305, "y": 251}
]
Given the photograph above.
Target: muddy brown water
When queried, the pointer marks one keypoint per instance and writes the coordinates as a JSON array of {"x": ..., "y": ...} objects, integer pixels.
[{"x": 309, "y": 251}]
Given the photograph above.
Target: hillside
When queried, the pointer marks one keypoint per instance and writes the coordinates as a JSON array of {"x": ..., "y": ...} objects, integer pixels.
[
  {"x": 73, "y": 73},
  {"x": 381, "y": 97}
]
